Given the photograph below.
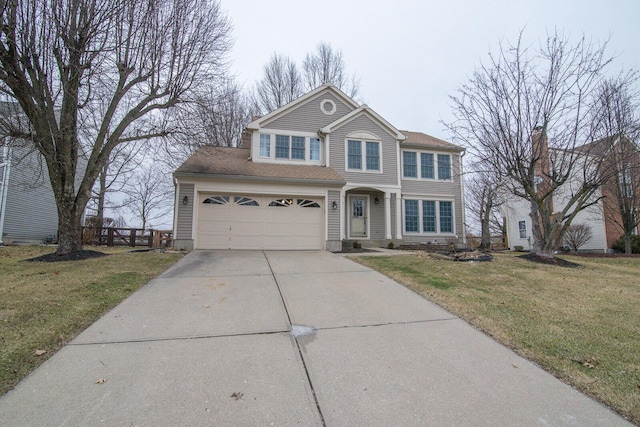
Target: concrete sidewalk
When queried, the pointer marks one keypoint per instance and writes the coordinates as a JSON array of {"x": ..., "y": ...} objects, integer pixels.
[{"x": 210, "y": 342}]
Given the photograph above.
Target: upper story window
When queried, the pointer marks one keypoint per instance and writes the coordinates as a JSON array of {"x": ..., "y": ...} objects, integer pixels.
[
  {"x": 363, "y": 155},
  {"x": 265, "y": 145},
  {"x": 423, "y": 165},
  {"x": 410, "y": 162},
  {"x": 444, "y": 166},
  {"x": 314, "y": 148},
  {"x": 299, "y": 148}
]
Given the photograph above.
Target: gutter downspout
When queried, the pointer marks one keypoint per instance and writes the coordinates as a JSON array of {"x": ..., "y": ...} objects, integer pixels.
[{"x": 4, "y": 184}]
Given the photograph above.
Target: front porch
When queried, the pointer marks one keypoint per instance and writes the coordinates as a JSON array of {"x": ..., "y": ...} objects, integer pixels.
[{"x": 370, "y": 215}]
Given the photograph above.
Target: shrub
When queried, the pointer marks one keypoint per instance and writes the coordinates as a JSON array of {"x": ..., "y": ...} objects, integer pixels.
[
  {"x": 635, "y": 244},
  {"x": 577, "y": 235}
]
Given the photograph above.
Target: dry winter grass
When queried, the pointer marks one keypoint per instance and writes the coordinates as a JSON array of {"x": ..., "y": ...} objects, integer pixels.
[
  {"x": 582, "y": 324},
  {"x": 45, "y": 305}
]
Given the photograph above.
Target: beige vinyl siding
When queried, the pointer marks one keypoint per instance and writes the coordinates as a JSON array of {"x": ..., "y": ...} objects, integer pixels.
[
  {"x": 31, "y": 213},
  {"x": 184, "y": 223},
  {"x": 333, "y": 216},
  {"x": 389, "y": 175},
  {"x": 434, "y": 189},
  {"x": 308, "y": 117},
  {"x": 377, "y": 217}
]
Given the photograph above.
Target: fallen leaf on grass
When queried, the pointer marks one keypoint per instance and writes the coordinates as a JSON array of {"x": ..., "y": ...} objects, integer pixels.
[
  {"x": 237, "y": 395},
  {"x": 101, "y": 380},
  {"x": 39, "y": 352}
]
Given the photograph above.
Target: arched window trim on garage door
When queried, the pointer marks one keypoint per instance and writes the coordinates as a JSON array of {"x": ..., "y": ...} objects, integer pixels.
[
  {"x": 245, "y": 201},
  {"x": 305, "y": 203},
  {"x": 281, "y": 203},
  {"x": 216, "y": 200}
]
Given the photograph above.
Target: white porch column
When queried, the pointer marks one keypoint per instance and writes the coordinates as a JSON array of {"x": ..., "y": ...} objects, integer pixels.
[
  {"x": 343, "y": 214},
  {"x": 398, "y": 215},
  {"x": 387, "y": 214}
]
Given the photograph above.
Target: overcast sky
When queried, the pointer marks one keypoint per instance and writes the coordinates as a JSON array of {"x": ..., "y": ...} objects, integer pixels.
[{"x": 411, "y": 55}]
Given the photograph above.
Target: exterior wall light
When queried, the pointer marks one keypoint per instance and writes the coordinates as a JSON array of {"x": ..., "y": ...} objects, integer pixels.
[
  {"x": 185, "y": 200},
  {"x": 376, "y": 200},
  {"x": 334, "y": 205}
]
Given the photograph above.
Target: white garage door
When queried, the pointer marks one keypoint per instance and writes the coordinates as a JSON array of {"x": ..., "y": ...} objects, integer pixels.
[{"x": 239, "y": 221}]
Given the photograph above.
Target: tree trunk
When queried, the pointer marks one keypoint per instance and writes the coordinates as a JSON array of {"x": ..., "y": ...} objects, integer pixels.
[
  {"x": 69, "y": 225},
  {"x": 627, "y": 244},
  {"x": 485, "y": 242}
]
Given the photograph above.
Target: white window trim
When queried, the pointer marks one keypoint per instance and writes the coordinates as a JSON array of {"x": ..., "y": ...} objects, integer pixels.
[
  {"x": 363, "y": 155},
  {"x": 272, "y": 150},
  {"x": 420, "y": 216},
  {"x": 436, "y": 175}
]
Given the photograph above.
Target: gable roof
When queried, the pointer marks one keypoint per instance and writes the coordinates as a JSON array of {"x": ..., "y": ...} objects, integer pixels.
[
  {"x": 363, "y": 110},
  {"x": 257, "y": 123},
  {"x": 234, "y": 163},
  {"x": 422, "y": 139}
]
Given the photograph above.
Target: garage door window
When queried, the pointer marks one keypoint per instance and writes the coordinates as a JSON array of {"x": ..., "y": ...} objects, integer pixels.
[
  {"x": 217, "y": 200},
  {"x": 245, "y": 201},
  {"x": 304, "y": 203},
  {"x": 281, "y": 203}
]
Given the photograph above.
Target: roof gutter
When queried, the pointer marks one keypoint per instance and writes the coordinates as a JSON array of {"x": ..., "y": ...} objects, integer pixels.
[{"x": 275, "y": 179}]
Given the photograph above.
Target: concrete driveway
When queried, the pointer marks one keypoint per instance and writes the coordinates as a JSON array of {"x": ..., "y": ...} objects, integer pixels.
[{"x": 288, "y": 338}]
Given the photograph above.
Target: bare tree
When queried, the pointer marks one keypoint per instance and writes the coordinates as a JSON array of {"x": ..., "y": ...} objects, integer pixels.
[
  {"x": 149, "y": 195},
  {"x": 280, "y": 84},
  {"x": 326, "y": 65},
  {"x": 577, "y": 235},
  {"x": 118, "y": 63},
  {"x": 525, "y": 113},
  {"x": 617, "y": 122},
  {"x": 483, "y": 197}
]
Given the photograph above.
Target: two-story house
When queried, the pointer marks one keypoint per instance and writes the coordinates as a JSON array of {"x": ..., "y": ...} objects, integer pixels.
[{"x": 316, "y": 172}]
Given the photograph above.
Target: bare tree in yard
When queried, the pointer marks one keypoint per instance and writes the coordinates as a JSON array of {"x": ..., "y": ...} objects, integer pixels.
[
  {"x": 484, "y": 196},
  {"x": 280, "y": 84},
  {"x": 577, "y": 235},
  {"x": 149, "y": 195},
  {"x": 617, "y": 123},
  {"x": 326, "y": 65},
  {"x": 524, "y": 113},
  {"x": 64, "y": 61}
]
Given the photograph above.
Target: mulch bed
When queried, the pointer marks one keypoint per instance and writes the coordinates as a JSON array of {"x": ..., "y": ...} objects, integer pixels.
[
  {"x": 549, "y": 261},
  {"x": 73, "y": 256},
  {"x": 353, "y": 251},
  {"x": 601, "y": 255}
]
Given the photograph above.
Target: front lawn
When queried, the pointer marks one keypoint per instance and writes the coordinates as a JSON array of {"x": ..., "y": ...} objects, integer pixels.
[
  {"x": 582, "y": 324},
  {"x": 45, "y": 305}
]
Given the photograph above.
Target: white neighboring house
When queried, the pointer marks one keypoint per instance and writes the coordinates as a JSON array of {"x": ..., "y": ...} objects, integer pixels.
[
  {"x": 518, "y": 222},
  {"x": 519, "y": 231}
]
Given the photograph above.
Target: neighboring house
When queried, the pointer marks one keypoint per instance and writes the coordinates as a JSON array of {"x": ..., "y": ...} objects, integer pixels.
[
  {"x": 603, "y": 217},
  {"x": 28, "y": 213},
  {"x": 316, "y": 172}
]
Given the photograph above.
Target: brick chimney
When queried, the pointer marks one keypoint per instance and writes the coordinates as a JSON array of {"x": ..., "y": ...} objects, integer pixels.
[
  {"x": 245, "y": 142},
  {"x": 540, "y": 151}
]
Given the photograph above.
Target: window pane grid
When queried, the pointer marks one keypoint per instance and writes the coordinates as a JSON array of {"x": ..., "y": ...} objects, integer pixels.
[
  {"x": 373, "y": 156},
  {"x": 282, "y": 146},
  {"x": 426, "y": 165},
  {"x": 354, "y": 149},
  {"x": 446, "y": 217},
  {"x": 411, "y": 216},
  {"x": 444, "y": 166},
  {"x": 428, "y": 216},
  {"x": 410, "y": 162},
  {"x": 297, "y": 147},
  {"x": 314, "y": 149},
  {"x": 265, "y": 145}
]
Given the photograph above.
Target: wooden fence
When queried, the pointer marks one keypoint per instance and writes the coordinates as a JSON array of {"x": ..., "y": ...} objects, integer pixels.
[{"x": 113, "y": 236}]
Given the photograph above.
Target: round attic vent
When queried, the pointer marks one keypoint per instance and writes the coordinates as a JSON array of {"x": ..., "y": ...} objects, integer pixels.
[{"x": 328, "y": 106}]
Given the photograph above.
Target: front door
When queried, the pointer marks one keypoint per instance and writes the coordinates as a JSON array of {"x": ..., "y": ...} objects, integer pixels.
[{"x": 358, "y": 216}]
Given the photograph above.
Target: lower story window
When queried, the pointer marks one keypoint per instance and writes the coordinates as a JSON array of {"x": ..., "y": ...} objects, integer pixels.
[
  {"x": 522, "y": 228},
  {"x": 428, "y": 216}
]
